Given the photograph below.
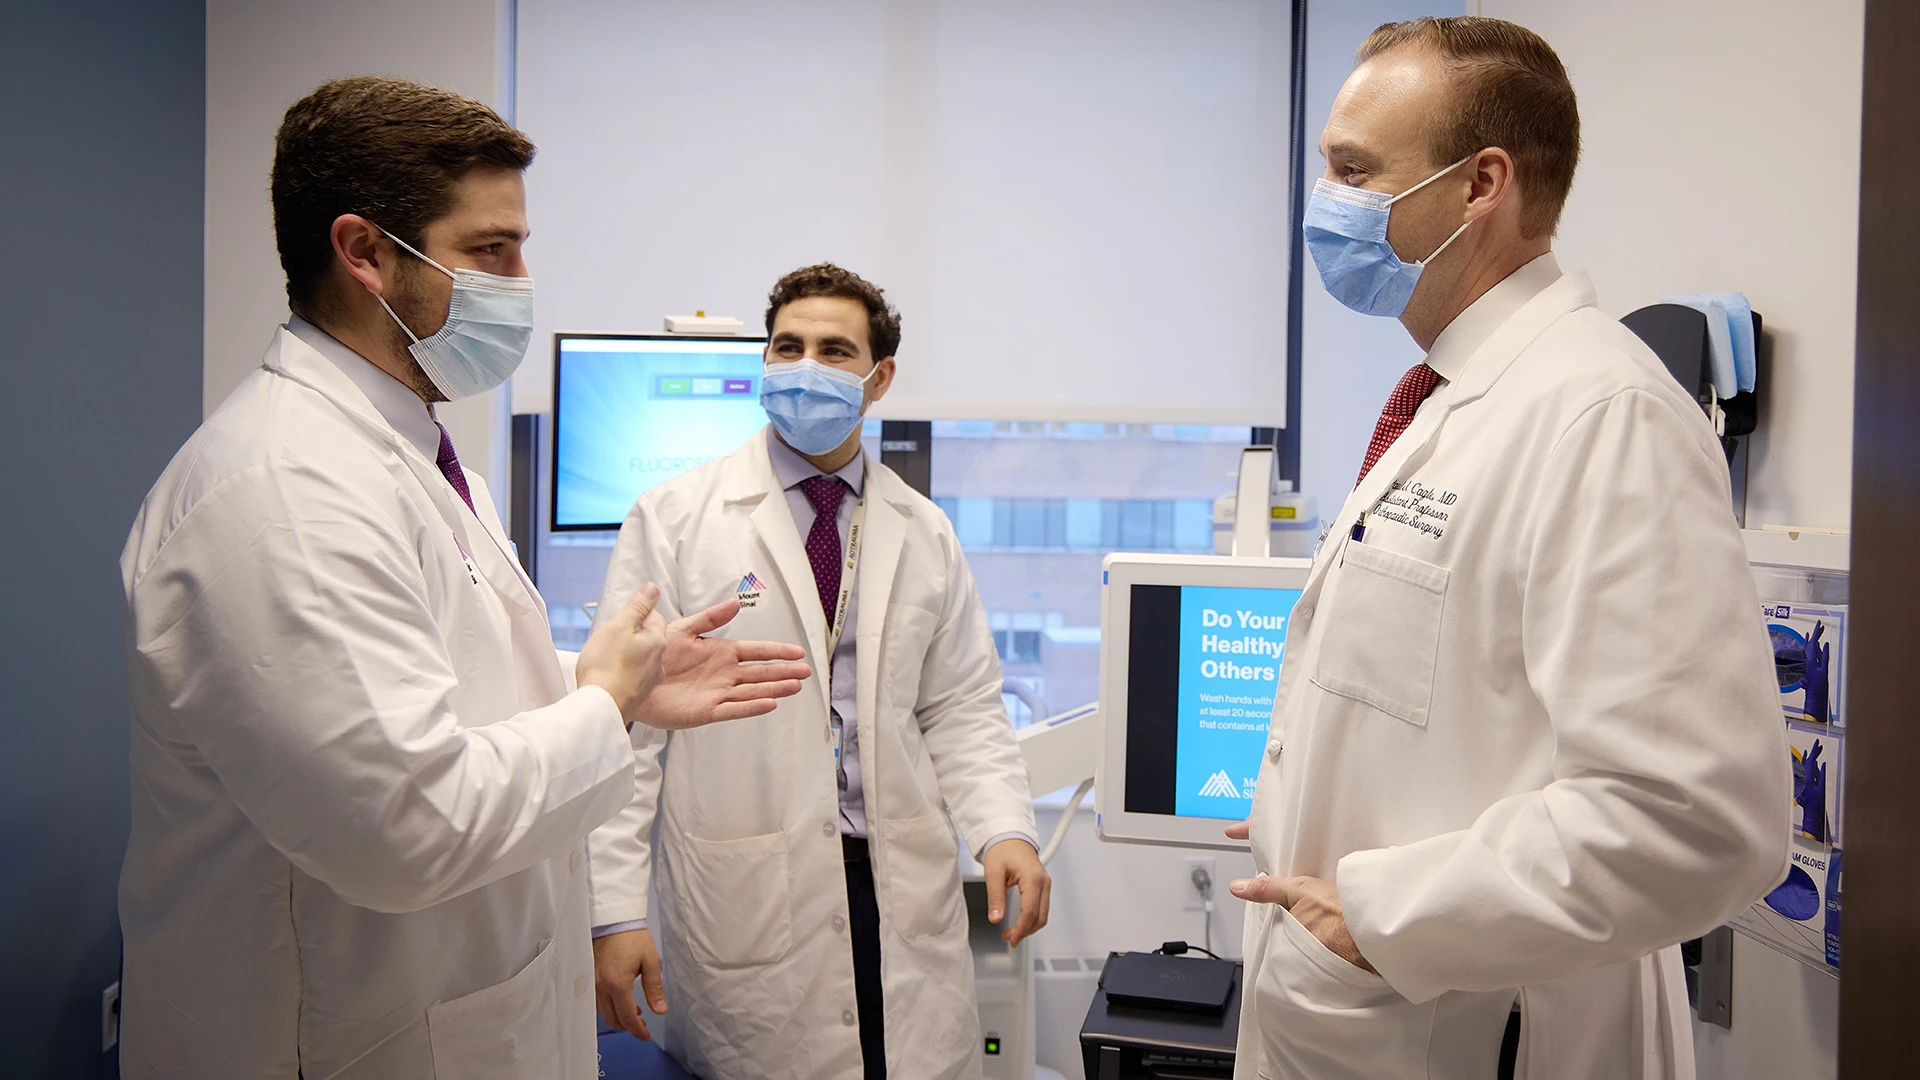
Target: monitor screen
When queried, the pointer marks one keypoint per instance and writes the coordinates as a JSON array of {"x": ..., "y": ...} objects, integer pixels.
[
  {"x": 1192, "y": 651},
  {"x": 1200, "y": 681},
  {"x": 633, "y": 412}
]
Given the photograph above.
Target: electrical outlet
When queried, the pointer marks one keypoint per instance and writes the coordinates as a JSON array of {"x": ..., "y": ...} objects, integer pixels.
[
  {"x": 109, "y": 1017},
  {"x": 1197, "y": 897}
]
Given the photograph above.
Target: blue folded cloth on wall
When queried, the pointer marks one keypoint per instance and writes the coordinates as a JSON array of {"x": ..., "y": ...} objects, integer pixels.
[{"x": 1730, "y": 339}]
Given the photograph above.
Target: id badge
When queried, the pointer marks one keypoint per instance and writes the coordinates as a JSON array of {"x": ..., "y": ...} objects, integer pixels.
[{"x": 839, "y": 748}]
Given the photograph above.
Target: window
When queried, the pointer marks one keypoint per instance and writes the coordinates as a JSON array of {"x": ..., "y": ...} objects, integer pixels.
[{"x": 1038, "y": 505}]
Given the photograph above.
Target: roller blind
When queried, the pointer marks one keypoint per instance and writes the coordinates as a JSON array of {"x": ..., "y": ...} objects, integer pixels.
[{"x": 1078, "y": 207}]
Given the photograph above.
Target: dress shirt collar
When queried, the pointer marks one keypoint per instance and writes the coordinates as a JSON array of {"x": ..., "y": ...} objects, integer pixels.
[
  {"x": 1473, "y": 327},
  {"x": 392, "y": 399},
  {"x": 790, "y": 468}
]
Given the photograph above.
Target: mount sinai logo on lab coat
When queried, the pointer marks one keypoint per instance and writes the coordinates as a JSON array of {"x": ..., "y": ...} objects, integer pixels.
[
  {"x": 749, "y": 591},
  {"x": 1220, "y": 785}
]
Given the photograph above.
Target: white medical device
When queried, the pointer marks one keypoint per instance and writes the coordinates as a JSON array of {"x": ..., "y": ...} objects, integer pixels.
[
  {"x": 1190, "y": 652},
  {"x": 1059, "y": 751}
]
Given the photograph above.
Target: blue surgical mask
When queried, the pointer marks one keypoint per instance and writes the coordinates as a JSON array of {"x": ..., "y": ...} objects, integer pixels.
[
  {"x": 485, "y": 337},
  {"x": 812, "y": 406},
  {"x": 1346, "y": 232}
]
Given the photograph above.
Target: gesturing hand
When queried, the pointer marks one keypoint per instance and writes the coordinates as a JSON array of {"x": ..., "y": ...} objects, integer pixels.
[
  {"x": 706, "y": 680},
  {"x": 1313, "y": 901},
  {"x": 623, "y": 655}
]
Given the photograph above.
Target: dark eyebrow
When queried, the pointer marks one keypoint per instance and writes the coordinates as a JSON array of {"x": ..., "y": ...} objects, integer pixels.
[
  {"x": 836, "y": 339},
  {"x": 786, "y": 336},
  {"x": 489, "y": 236}
]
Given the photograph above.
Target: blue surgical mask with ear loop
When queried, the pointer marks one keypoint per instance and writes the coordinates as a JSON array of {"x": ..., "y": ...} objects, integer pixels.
[
  {"x": 814, "y": 407},
  {"x": 1346, "y": 233},
  {"x": 485, "y": 337}
]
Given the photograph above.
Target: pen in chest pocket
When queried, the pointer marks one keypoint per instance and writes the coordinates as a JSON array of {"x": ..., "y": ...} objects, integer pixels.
[{"x": 466, "y": 560}]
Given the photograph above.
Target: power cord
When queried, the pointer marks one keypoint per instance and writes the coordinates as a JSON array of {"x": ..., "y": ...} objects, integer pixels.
[
  {"x": 1181, "y": 948},
  {"x": 1203, "y": 884}
]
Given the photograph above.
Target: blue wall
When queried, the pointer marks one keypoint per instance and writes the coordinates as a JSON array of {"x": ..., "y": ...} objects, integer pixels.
[{"x": 103, "y": 124}]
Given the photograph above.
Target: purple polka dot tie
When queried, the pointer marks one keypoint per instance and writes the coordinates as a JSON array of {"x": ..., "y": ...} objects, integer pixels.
[
  {"x": 1414, "y": 387},
  {"x": 450, "y": 466},
  {"x": 823, "y": 540}
]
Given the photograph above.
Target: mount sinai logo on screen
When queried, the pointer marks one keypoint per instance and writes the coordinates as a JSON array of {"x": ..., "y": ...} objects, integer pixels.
[{"x": 1220, "y": 785}]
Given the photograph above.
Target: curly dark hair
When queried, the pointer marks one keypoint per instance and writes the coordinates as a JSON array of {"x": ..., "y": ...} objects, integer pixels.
[
  {"x": 826, "y": 279},
  {"x": 384, "y": 148}
]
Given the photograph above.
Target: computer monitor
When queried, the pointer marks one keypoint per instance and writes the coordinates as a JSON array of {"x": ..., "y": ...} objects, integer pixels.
[
  {"x": 633, "y": 411},
  {"x": 1190, "y": 651}
]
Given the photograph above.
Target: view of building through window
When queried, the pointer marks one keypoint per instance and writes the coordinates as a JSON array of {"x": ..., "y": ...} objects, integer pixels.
[{"x": 1037, "y": 506}]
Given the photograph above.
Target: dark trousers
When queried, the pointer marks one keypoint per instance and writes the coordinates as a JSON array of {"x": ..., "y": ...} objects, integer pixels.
[
  {"x": 1510, "y": 1046},
  {"x": 864, "y": 922}
]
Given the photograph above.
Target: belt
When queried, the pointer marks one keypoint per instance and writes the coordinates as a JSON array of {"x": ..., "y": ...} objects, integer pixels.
[{"x": 853, "y": 848}]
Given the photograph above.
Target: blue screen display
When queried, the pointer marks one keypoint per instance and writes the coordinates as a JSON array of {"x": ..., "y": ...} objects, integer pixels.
[
  {"x": 631, "y": 413},
  {"x": 1231, "y": 643}
]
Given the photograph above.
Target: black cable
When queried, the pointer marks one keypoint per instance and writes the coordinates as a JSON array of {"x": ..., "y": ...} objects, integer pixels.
[{"x": 1181, "y": 948}]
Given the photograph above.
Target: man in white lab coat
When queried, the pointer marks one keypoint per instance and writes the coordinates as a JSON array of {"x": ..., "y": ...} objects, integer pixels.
[
  {"x": 361, "y": 784},
  {"x": 803, "y": 865},
  {"x": 1525, "y": 738}
]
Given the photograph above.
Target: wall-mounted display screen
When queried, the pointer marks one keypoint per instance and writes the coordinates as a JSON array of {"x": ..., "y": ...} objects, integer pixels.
[{"x": 633, "y": 412}]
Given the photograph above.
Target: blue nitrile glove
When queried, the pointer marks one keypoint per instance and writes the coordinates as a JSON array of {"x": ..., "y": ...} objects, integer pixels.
[
  {"x": 1810, "y": 791},
  {"x": 1797, "y": 898},
  {"x": 1722, "y": 367},
  {"x": 1745, "y": 348},
  {"x": 1815, "y": 680}
]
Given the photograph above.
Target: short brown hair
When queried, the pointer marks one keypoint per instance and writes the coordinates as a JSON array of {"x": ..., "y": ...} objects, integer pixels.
[
  {"x": 826, "y": 279},
  {"x": 1511, "y": 91},
  {"x": 387, "y": 149}
]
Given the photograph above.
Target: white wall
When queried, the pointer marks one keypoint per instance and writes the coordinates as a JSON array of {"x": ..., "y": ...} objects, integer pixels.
[
  {"x": 1721, "y": 146},
  {"x": 1721, "y": 151},
  {"x": 262, "y": 56}
]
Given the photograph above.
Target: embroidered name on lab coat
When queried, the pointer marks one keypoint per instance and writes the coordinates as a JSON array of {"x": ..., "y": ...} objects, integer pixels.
[{"x": 1423, "y": 509}]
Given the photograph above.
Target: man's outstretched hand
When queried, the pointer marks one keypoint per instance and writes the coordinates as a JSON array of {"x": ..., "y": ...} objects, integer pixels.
[{"x": 705, "y": 680}]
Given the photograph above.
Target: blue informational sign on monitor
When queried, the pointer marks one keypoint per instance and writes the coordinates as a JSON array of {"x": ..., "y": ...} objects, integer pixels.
[
  {"x": 634, "y": 412},
  {"x": 1231, "y": 642}
]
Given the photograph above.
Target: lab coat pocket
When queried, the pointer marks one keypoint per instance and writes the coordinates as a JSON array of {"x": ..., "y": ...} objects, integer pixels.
[
  {"x": 507, "y": 1031},
  {"x": 1321, "y": 1016},
  {"x": 1380, "y": 632},
  {"x": 909, "y": 630},
  {"x": 734, "y": 899},
  {"x": 923, "y": 875}
]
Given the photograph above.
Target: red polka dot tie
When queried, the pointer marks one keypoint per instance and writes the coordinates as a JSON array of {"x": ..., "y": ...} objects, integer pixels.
[
  {"x": 1414, "y": 387},
  {"x": 449, "y": 464},
  {"x": 823, "y": 540}
]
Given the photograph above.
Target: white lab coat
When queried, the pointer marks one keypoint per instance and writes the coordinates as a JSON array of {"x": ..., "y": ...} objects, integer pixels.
[
  {"x": 361, "y": 790},
  {"x": 744, "y": 857},
  {"x": 1533, "y": 739}
]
